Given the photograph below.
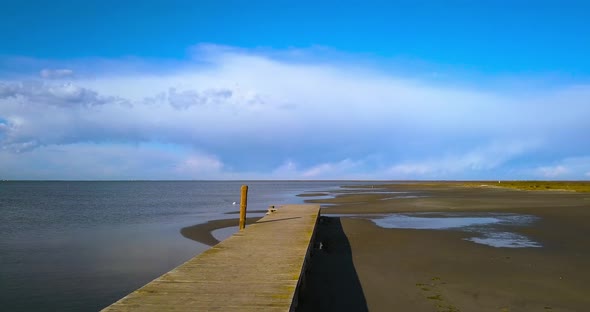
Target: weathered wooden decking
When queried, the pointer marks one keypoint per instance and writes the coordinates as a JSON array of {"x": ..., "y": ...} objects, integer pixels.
[{"x": 257, "y": 269}]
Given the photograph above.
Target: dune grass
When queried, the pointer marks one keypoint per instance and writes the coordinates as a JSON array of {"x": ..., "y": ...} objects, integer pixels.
[{"x": 576, "y": 186}]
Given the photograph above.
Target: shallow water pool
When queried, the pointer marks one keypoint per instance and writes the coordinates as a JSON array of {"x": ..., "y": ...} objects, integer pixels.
[
  {"x": 489, "y": 228},
  {"x": 492, "y": 229}
]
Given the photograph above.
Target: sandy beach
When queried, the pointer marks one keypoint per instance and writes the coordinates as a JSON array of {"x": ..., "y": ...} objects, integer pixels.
[
  {"x": 385, "y": 269},
  {"x": 365, "y": 267}
]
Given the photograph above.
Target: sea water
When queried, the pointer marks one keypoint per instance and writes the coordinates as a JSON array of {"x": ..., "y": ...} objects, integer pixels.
[{"x": 80, "y": 246}]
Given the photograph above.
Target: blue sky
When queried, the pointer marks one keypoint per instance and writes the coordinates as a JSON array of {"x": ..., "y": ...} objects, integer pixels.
[{"x": 294, "y": 90}]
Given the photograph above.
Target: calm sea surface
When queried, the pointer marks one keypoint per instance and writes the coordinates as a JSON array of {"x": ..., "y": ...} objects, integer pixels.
[{"x": 79, "y": 246}]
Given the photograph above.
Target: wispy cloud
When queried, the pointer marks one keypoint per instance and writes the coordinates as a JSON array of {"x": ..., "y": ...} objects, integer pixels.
[
  {"x": 480, "y": 161},
  {"x": 285, "y": 114},
  {"x": 56, "y": 73},
  {"x": 568, "y": 168},
  {"x": 344, "y": 169},
  {"x": 195, "y": 166},
  {"x": 57, "y": 94},
  {"x": 553, "y": 172},
  {"x": 110, "y": 161}
]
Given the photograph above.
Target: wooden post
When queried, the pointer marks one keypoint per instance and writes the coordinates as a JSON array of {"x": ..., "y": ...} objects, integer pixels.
[{"x": 243, "y": 205}]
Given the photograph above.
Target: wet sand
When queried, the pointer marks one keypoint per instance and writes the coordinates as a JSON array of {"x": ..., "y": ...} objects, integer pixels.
[
  {"x": 367, "y": 267},
  {"x": 202, "y": 233},
  {"x": 312, "y": 194}
]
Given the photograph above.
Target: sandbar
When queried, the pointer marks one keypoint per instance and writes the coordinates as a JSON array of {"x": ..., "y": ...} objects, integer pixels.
[{"x": 202, "y": 233}]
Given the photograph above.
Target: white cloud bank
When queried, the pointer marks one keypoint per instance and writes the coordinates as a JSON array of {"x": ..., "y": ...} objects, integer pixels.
[{"x": 231, "y": 113}]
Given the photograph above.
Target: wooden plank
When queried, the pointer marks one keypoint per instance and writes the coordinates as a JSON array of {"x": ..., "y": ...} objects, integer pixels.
[{"x": 256, "y": 269}]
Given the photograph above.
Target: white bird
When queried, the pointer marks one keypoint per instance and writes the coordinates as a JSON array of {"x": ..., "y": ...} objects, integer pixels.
[{"x": 233, "y": 203}]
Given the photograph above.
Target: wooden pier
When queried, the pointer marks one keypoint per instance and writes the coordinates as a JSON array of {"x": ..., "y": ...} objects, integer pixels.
[{"x": 257, "y": 269}]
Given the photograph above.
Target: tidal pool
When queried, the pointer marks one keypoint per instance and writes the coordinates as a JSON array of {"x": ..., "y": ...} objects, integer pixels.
[
  {"x": 404, "y": 221},
  {"x": 504, "y": 239},
  {"x": 492, "y": 229},
  {"x": 488, "y": 228}
]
